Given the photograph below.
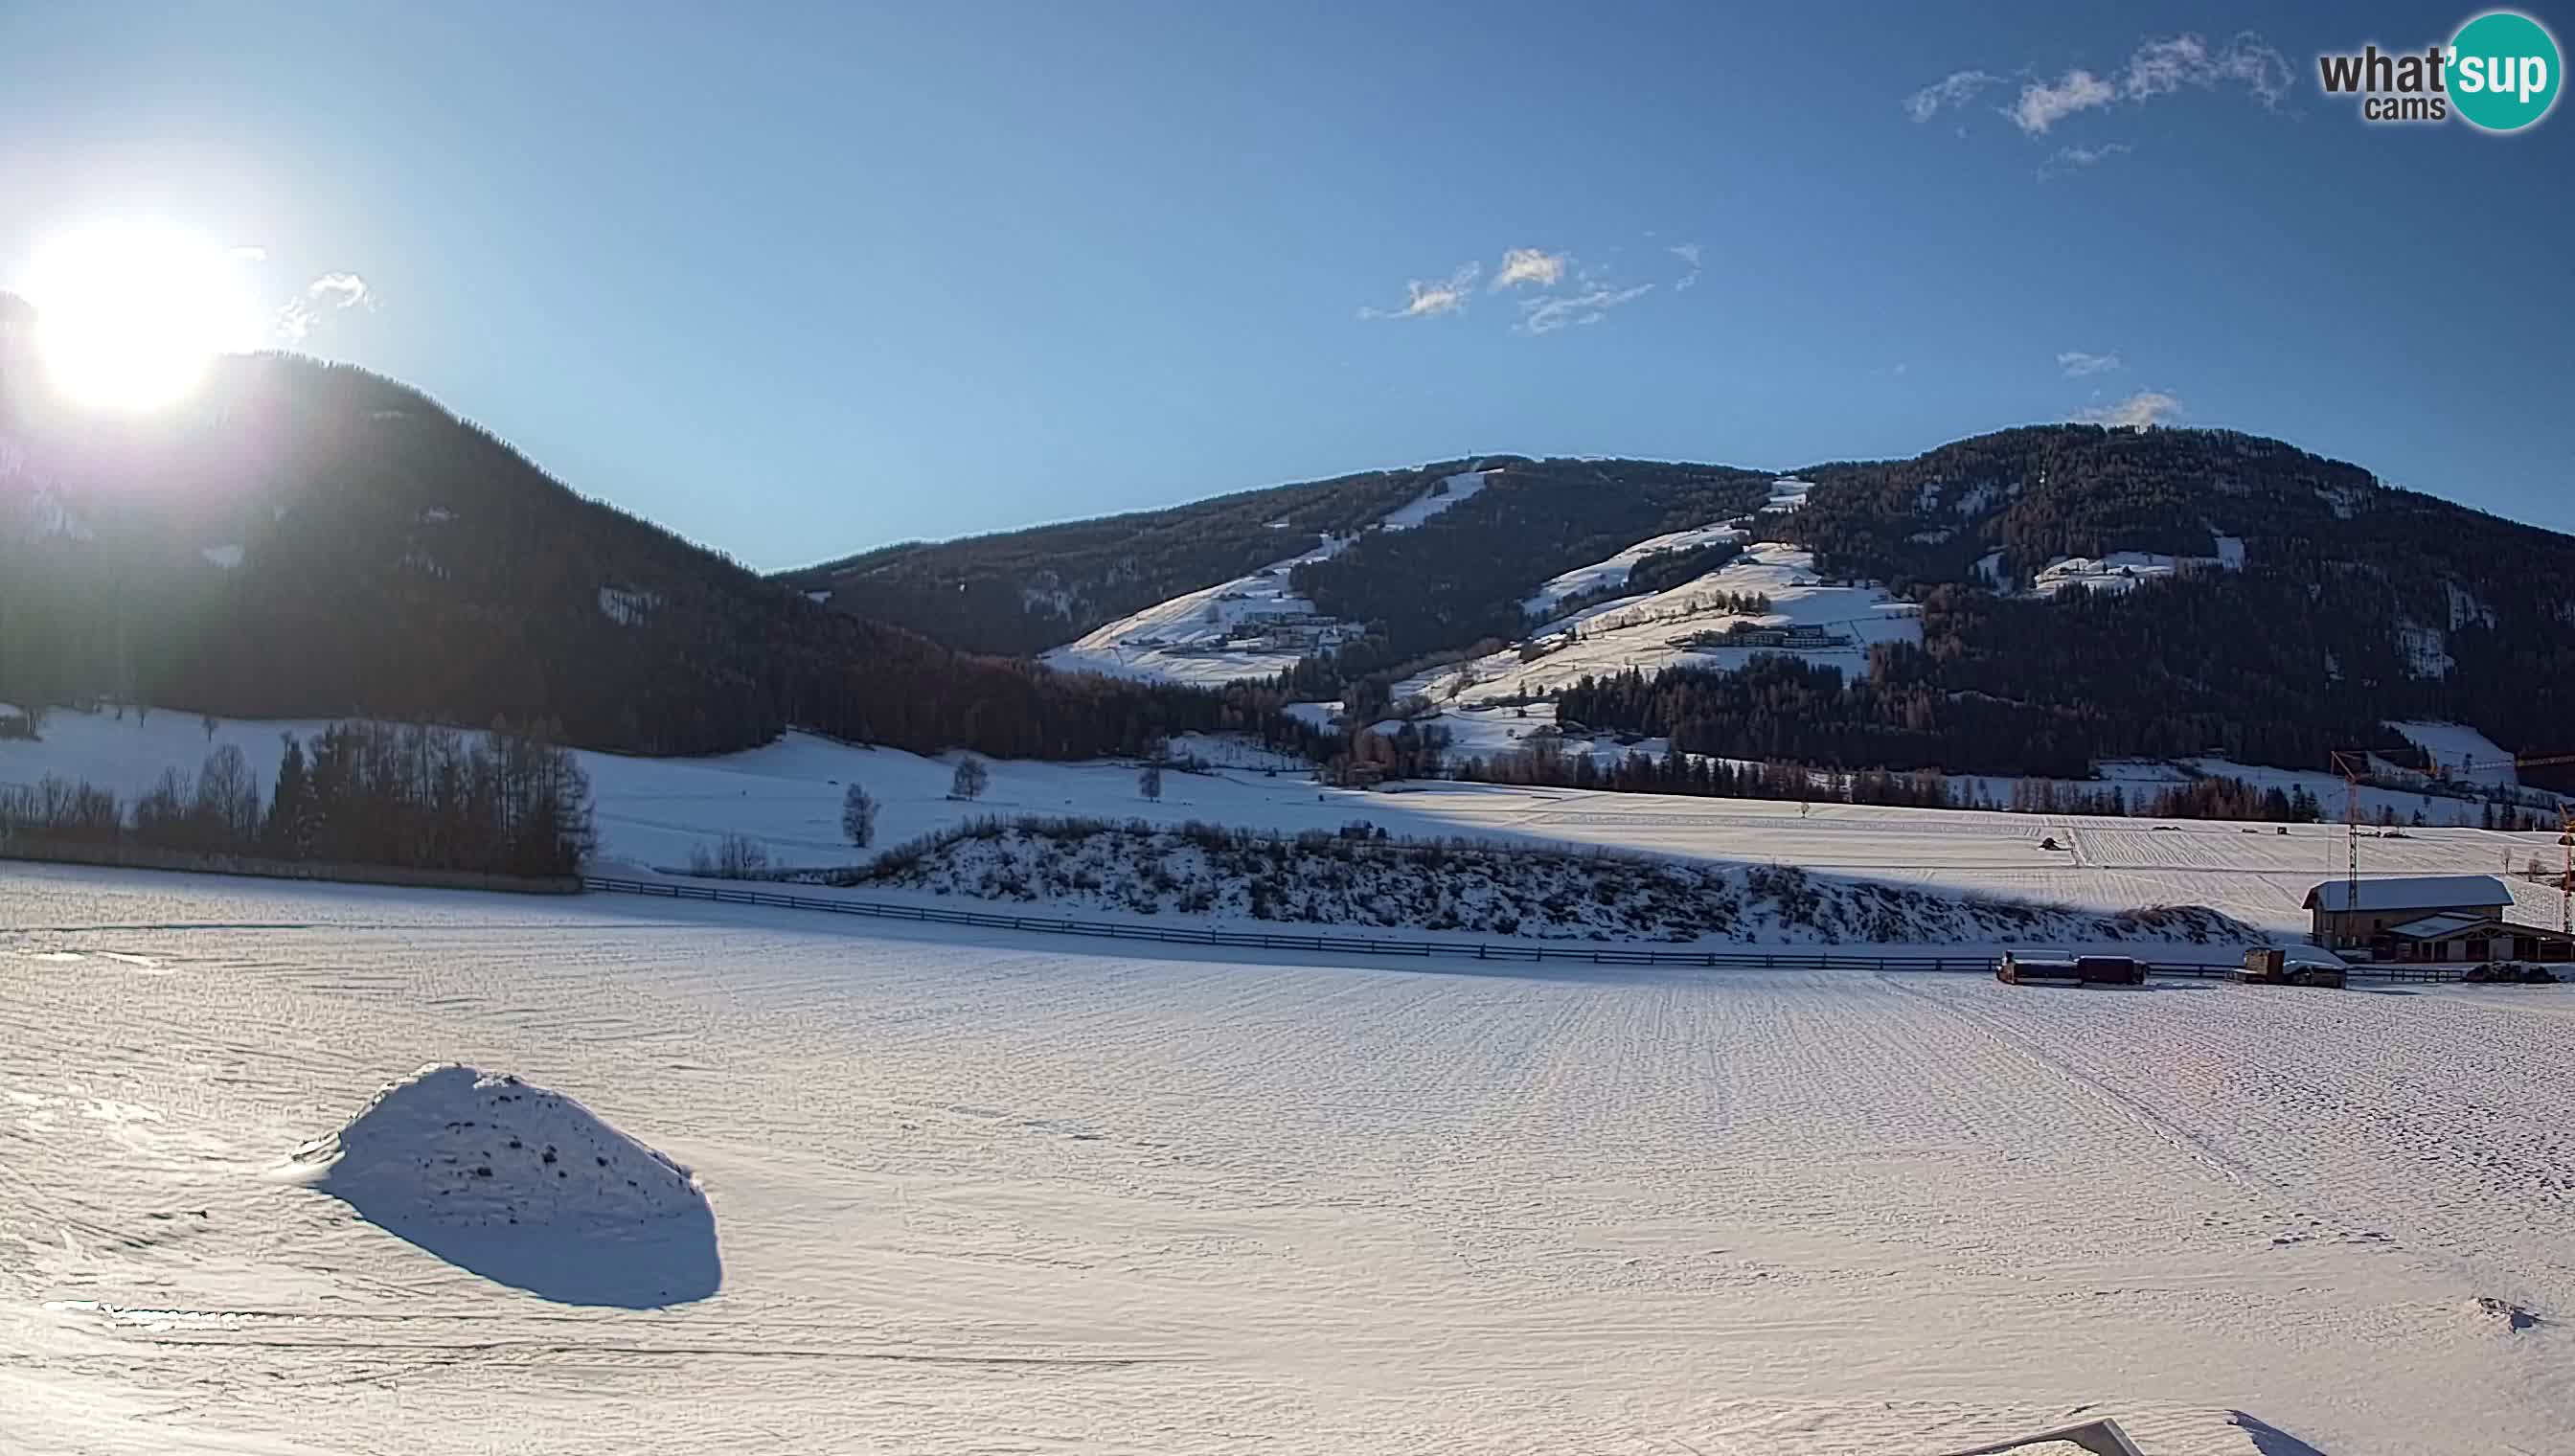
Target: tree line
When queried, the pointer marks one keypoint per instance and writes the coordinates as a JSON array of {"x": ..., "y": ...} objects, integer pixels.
[{"x": 502, "y": 802}]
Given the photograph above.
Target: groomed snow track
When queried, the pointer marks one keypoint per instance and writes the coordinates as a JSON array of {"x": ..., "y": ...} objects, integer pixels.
[{"x": 1790, "y": 959}]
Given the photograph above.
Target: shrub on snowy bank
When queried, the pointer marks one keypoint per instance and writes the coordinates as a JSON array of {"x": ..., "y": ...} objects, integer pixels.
[{"x": 1359, "y": 876}]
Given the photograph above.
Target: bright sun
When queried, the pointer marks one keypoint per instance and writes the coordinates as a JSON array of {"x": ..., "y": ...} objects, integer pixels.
[{"x": 129, "y": 313}]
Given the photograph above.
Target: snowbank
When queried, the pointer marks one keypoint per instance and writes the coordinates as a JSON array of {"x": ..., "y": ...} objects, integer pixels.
[{"x": 523, "y": 1186}]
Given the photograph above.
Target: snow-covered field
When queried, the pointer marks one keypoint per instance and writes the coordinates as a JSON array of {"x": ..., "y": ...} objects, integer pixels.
[
  {"x": 1251, "y": 627},
  {"x": 653, "y": 811},
  {"x": 988, "y": 1193}
]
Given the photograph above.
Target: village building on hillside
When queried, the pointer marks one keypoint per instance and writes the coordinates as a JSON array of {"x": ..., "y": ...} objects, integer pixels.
[{"x": 2431, "y": 919}]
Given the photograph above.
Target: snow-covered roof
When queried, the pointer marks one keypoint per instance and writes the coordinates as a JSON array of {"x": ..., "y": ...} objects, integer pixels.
[
  {"x": 2434, "y": 928},
  {"x": 2411, "y": 892},
  {"x": 2461, "y": 923}
]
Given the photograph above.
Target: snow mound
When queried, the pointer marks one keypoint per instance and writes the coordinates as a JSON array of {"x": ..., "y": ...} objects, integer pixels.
[{"x": 524, "y": 1186}]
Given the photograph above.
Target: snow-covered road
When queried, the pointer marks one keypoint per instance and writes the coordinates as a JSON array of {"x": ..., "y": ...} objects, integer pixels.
[{"x": 988, "y": 1193}]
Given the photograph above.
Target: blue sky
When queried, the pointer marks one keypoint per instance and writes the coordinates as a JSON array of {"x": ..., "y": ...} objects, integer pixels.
[{"x": 841, "y": 274}]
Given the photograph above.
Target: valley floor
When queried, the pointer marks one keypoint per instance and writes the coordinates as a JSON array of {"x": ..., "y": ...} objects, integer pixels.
[
  {"x": 787, "y": 795},
  {"x": 980, "y": 1193}
]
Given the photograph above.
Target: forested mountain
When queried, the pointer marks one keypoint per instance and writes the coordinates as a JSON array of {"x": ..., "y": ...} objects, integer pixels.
[
  {"x": 2240, "y": 595},
  {"x": 309, "y": 541},
  {"x": 1461, "y": 576},
  {"x": 1022, "y": 591}
]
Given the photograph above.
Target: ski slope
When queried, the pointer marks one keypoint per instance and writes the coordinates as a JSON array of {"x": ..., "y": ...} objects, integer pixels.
[
  {"x": 1614, "y": 570},
  {"x": 1252, "y": 626},
  {"x": 1651, "y": 630},
  {"x": 983, "y": 1192}
]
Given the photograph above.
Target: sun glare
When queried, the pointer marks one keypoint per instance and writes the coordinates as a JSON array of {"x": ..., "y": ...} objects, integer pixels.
[{"x": 129, "y": 315}]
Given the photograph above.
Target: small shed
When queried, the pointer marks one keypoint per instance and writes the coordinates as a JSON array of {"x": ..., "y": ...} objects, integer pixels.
[{"x": 2347, "y": 915}]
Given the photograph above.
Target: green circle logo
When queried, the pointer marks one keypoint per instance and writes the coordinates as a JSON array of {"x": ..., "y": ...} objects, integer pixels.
[{"x": 2504, "y": 71}]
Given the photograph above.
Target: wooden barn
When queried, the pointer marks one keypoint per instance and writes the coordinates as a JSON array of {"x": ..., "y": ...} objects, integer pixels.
[{"x": 2345, "y": 919}]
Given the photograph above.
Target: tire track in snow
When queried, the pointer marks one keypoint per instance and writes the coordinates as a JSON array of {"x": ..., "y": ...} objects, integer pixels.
[{"x": 1999, "y": 1033}]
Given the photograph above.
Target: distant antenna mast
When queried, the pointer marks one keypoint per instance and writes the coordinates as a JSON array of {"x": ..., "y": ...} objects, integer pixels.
[{"x": 2351, "y": 764}]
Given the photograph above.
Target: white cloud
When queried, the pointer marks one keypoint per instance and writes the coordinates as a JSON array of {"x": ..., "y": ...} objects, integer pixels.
[
  {"x": 2159, "y": 67},
  {"x": 341, "y": 291},
  {"x": 2042, "y": 106},
  {"x": 2067, "y": 159},
  {"x": 2077, "y": 364},
  {"x": 1689, "y": 253},
  {"x": 248, "y": 253},
  {"x": 1955, "y": 89},
  {"x": 1546, "y": 315},
  {"x": 1430, "y": 299},
  {"x": 333, "y": 292},
  {"x": 2136, "y": 411},
  {"x": 1530, "y": 264}
]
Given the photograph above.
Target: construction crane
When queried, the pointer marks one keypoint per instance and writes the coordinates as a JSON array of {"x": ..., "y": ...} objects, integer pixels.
[
  {"x": 2566, "y": 881},
  {"x": 2565, "y": 828},
  {"x": 2354, "y": 764}
]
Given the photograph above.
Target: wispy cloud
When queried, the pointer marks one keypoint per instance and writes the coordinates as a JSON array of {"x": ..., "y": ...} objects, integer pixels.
[
  {"x": 2155, "y": 68},
  {"x": 1689, "y": 253},
  {"x": 1530, "y": 264},
  {"x": 1955, "y": 89},
  {"x": 2136, "y": 411},
  {"x": 331, "y": 293},
  {"x": 2159, "y": 67},
  {"x": 1557, "y": 290},
  {"x": 2077, "y": 364},
  {"x": 1546, "y": 315},
  {"x": 2042, "y": 106},
  {"x": 341, "y": 291},
  {"x": 2068, "y": 159},
  {"x": 1427, "y": 299}
]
